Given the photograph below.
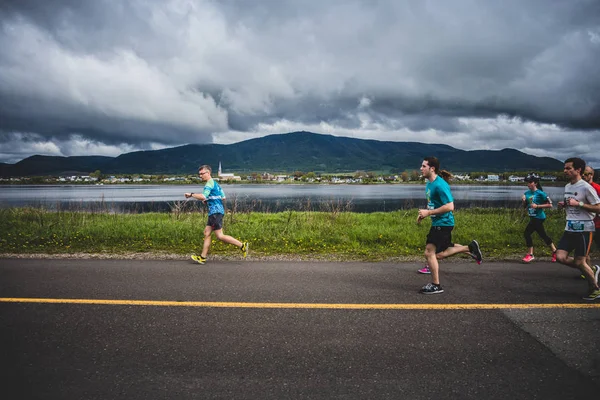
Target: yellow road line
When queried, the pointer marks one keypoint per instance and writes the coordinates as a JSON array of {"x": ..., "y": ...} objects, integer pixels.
[{"x": 342, "y": 306}]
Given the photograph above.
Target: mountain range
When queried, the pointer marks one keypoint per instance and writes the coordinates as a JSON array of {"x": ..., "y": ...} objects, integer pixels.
[{"x": 289, "y": 152}]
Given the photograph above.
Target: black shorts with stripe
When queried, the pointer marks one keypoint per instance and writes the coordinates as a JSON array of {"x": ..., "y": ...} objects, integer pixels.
[{"x": 579, "y": 242}]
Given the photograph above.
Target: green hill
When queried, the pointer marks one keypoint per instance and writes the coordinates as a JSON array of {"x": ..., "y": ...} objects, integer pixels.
[{"x": 296, "y": 151}]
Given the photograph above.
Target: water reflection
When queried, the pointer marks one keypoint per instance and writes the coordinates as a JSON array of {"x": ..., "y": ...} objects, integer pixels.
[{"x": 259, "y": 198}]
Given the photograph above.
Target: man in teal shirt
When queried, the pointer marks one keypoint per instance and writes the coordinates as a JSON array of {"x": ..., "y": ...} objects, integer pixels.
[
  {"x": 440, "y": 205},
  {"x": 213, "y": 196}
]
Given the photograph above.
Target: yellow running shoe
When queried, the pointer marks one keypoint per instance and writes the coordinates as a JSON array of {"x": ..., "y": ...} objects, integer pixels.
[
  {"x": 594, "y": 295},
  {"x": 595, "y": 270},
  {"x": 244, "y": 249},
  {"x": 199, "y": 259}
]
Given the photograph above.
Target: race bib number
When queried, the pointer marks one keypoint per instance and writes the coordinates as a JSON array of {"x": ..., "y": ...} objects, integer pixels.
[{"x": 575, "y": 226}]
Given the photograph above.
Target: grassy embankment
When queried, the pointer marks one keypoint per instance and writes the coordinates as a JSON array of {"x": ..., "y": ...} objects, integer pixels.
[{"x": 334, "y": 235}]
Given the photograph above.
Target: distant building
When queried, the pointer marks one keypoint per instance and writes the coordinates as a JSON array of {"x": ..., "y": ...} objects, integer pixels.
[
  {"x": 514, "y": 178},
  {"x": 227, "y": 177},
  {"x": 75, "y": 178},
  {"x": 551, "y": 178},
  {"x": 493, "y": 178}
]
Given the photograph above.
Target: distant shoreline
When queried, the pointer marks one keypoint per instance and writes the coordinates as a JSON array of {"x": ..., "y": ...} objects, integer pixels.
[{"x": 197, "y": 182}]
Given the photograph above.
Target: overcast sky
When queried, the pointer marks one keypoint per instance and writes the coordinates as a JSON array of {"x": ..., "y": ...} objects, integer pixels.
[{"x": 105, "y": 77}]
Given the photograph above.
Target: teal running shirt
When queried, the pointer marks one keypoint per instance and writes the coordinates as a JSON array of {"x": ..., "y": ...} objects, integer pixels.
[
  {"x": 537, "y": 197},
  {"x": 438, "y": 193},
  {"x": 214, "y": 197}
]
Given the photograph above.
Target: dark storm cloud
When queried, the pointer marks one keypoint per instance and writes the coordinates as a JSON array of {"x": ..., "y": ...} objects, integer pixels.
[
  {"x": 88, "y": 26},
  {"x": 61, "y": 121},
  {"x": 151, "y": 73}
]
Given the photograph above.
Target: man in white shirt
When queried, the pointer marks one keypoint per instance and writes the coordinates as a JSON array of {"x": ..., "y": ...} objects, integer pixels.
[{"x": 581, "y": 202}]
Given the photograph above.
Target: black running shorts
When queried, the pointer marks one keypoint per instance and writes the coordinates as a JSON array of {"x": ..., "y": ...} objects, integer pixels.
[
  {"x": 215, "y": 221},
  {"x": 580, "y": 242},
  {"x": 441, "y": 237}
]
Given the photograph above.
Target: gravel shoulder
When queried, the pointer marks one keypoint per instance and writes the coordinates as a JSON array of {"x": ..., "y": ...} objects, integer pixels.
[{"x": 251, "y": 257}]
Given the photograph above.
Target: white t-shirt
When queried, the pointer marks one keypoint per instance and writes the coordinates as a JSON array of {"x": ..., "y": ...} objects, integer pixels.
[{"x": 578, "y": 219}]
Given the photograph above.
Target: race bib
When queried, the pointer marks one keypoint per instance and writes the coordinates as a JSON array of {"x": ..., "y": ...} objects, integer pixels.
[{"x": 575, "y": 226}]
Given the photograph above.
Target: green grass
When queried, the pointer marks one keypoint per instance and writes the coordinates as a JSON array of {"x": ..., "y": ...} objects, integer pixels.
[{"x": 307, "y": 234}]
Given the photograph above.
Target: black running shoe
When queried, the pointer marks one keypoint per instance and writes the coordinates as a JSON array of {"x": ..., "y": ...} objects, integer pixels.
[
  {"x": 431, "y": 288},
  {"x": 475, "y": 251}
]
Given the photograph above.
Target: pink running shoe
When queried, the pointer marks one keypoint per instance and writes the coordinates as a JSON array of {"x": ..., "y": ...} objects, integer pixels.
[
  {"x": 554, "y": 257},
  {"x": 424, "y": 270},
  {"x": 528, "y": 258}
]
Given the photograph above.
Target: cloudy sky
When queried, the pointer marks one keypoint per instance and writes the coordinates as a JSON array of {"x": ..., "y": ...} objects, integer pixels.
[{"x": 105, "y": 77}]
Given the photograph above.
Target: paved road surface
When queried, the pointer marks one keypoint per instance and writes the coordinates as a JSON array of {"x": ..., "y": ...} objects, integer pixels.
[{"x": 122, "y": 329}]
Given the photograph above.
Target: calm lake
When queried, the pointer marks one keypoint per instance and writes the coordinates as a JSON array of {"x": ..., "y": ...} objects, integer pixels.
[{"x": 264, "y": 198}]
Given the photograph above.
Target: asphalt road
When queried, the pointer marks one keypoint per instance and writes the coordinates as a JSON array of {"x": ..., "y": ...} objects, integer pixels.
[{"x": 123, "y": 329}]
